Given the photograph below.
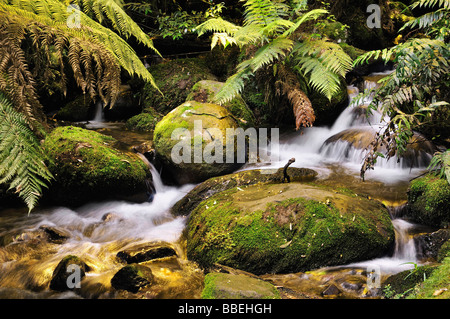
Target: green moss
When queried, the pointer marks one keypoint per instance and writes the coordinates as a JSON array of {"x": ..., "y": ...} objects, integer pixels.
[
  {"x": 205, "y": 90},
  {"x": 86, "y": 165},
  {"x": 352, "y": 51},
  {"x": 429, "y": 200},
  {"x": 229, "y": 286},
  {"x": 76, "y": 110},
  {"x": 437, "y": 285},
  {"x": 175, "y": 79},
  {"x": 288, "y": 235},
  {"x": 145, "y": 121},
  {"x": 400, "y": 285},
  {"x": 444, "y": 251},
  {"x": 215, "y": 120}
]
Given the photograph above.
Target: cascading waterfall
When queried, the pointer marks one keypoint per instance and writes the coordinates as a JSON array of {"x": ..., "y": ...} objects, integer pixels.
[
  {"x": 345, "y": 141},
  {"x": 98, "y": 117}
]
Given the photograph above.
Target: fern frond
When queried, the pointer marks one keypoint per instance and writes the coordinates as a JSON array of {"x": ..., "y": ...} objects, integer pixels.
[
  {"x": 274, "y": 50},
  {"x": 308, "y": 16},
  {"x": 426, "y": 20},
  {"x": 431, "y": 3},
  {"x": 261, "y": 12},
  {"x": 233, "y": 86},
  {"x": 21, "y": 164},
  {"x": 324, "y": 62},
  {"x": 217, "y": 25}
]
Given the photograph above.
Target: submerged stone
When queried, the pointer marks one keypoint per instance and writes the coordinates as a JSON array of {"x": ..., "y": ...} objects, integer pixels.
[
  {"x": 132, "y": 278},
  {"x": 146, "y": 252},
  {"x": 230, "y": 286}
]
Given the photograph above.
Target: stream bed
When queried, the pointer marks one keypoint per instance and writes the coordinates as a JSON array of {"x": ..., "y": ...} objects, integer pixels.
[{"x": 97, "y": 232}]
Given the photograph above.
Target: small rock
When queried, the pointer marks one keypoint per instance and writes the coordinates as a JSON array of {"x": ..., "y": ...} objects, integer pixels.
[
  {"x": 55, "y": 234},
  {"x": 132, "y": 278},
  {"x": 332, "y": 290},
  {"x": 146, "y": 252}
]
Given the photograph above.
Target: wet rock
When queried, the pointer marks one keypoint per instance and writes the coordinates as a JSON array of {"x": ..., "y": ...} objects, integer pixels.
[
  {"x": 248, "y": 177},
  {"x": 429, "y": 201},
  {"x": 100, "y": 171},
  {"x": 204, "y": 92},
  {"x": 210, "y": 135},
  {"x": 110, "y": 217},
  {"x": 430, "y": 244},
  {"x": 229, "y": 286},
  {"x": 132, "y": 278},
  {"x": 55, "y": 234},
  {"x": 246, "y": 227},
  {"x": 65, "y": 274},
  {"x": 146, "y": 252},
  {"x": 331, "y": 290},
  {"x": 418, "y": 153}
]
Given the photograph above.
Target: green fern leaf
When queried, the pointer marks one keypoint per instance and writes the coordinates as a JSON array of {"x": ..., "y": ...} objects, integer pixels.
[{"x": 21, "y": 164}]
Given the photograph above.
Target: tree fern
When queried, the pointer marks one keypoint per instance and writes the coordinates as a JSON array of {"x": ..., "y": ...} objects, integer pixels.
[
  {"x": 35, "y": 35},
  {"x": 270, "y": 27},
  {"x": 21, "y": 157}
]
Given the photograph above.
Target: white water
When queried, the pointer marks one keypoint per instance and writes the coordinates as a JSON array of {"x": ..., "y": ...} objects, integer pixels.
[
  {"x": 405, "y": 253},
  {"x": 309, "y": 149},
  {"x": 98, "y": 112}
]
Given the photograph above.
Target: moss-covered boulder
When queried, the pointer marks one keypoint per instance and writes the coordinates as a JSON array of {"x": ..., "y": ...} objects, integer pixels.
[
  {"x": 219, "y": 184},
  {"x": 175, "y": 79},
  {"x": 230, "y": 286},
  {"x": 191, "y": 141},
  {"x": 145, "y": 121},
  {"x": 204, "y": 92},
  {"x": 79, "y": 109},
  {"x": 429, "y": 201},
  {"x": 286, "y": 227},
  {"x": 87, "y": 166}
]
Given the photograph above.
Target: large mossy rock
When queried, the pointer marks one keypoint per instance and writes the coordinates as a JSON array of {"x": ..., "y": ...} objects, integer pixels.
[
  {"x": 200, "y": 125},
  {"x": 175, "y": 79},
  {"x": 205, "y": 90},
  {"x": 429, "y": 201},
  {"x": 287, "y": 227},
  {"x": 231, "y": 286},
  {"x": 87, "y": 166},
  {"x": 219, "y": 184}
]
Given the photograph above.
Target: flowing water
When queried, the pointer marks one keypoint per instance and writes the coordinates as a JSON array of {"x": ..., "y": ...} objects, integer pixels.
[{"x": 98, "y": 231}]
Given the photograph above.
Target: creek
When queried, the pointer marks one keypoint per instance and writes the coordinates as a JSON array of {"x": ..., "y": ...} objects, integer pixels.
[{"x": 27, "y": 262}]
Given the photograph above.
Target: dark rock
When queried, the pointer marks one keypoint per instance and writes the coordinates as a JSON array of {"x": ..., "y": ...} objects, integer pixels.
[
  {"x": 331, "y": 290},
  {"x": 132, "y": 278},
  {"x": 146, "y": 252},
  {"x": 60, "y": 279},
  {"x": 55, "y": 234},
  {"x": 429, "y": 244}
]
